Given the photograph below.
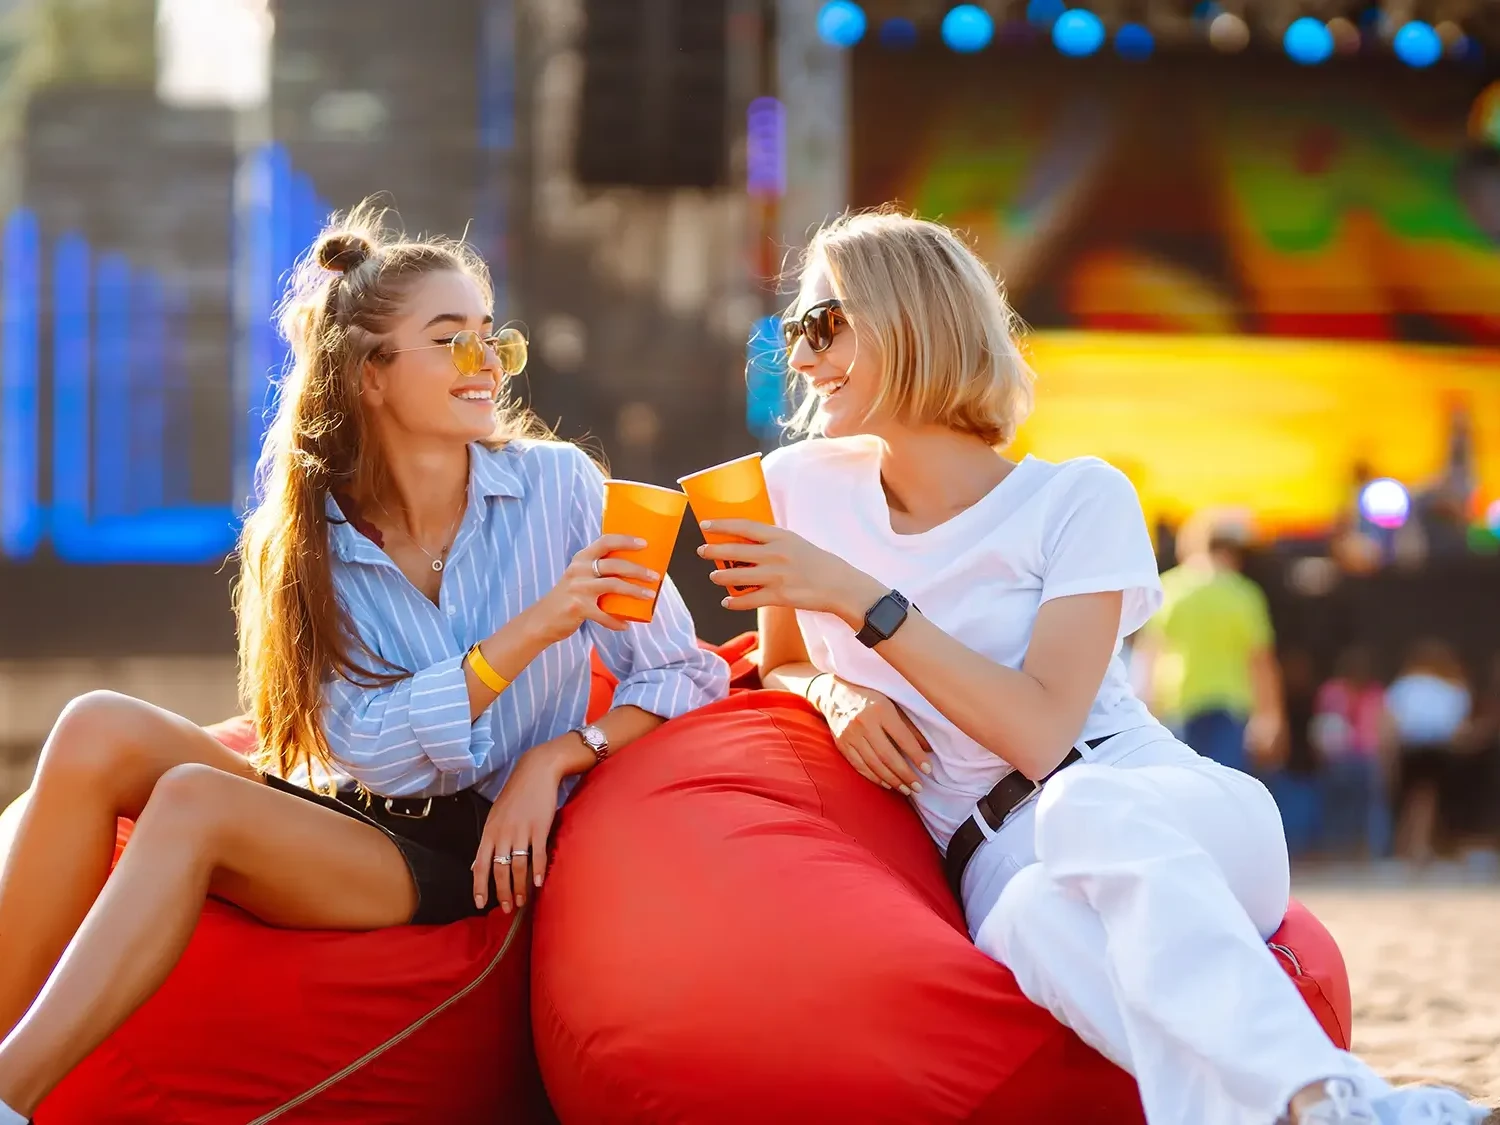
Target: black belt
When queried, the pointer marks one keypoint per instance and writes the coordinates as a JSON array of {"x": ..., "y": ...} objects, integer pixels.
[{"x": 995, "y": 806}]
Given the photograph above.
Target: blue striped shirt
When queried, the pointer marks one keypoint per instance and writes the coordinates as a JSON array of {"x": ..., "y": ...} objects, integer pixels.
[{"x": 532, "y": 507}]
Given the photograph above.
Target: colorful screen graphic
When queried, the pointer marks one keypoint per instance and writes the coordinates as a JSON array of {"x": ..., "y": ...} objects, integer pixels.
[{"x": 1244, "y": 276}]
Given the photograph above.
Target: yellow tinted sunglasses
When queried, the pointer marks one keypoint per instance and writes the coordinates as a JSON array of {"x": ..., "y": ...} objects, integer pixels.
[{"x": 468, "y": 350}]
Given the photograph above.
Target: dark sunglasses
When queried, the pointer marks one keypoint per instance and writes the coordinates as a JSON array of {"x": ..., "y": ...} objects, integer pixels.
[
  {"x": 468, "y": 350},
  {"x": 817, "y": 325}
]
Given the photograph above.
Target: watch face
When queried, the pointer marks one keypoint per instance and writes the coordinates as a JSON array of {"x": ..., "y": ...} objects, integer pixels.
[
  {"x": 594, "y": 737},
  {"x": 886, "y": 616}
]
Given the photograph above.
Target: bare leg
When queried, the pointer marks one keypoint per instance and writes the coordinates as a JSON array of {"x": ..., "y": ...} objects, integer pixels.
[
  {"x": 204, "y": 831},
  {"x": 100, "y": 762},
  {"x": 1414, "y": 830}
]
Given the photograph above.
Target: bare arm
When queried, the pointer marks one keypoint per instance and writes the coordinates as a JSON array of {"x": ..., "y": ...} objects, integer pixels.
[
  {"x": 1029, "y": 717},
  {"x": 569, "y": 754},
  {"x": 1266, "y": 717},
  {"x": 784, "y": 664}
]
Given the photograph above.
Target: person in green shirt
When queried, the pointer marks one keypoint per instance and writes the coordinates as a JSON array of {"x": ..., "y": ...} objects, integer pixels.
[{"x": 1210, "y": 663}]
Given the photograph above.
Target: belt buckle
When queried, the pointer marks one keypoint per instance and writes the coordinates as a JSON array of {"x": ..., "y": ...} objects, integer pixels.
[{"x": 390, "y": 807}]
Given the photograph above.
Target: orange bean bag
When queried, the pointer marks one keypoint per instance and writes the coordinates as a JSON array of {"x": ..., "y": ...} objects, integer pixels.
[
  {"x": 404, "y": 1026},
  {"x": 736, "y": 927}
]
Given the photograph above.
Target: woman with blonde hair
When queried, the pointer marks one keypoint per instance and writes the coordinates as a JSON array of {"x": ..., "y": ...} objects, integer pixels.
[
  {"x": 417, "y": 605},
  {"x": 958, "y": 619}
]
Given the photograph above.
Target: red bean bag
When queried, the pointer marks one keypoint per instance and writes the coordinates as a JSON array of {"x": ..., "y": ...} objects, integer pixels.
[
  {"x": 737, "y": 928},
  {"x": 404, "y": 1026}
]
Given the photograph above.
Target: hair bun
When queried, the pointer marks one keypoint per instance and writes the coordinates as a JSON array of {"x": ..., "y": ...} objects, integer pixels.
[{"x": 344, "y": 251}]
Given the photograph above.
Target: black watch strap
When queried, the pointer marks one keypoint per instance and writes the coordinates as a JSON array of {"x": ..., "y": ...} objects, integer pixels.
[{"x": 883, "y": 619}]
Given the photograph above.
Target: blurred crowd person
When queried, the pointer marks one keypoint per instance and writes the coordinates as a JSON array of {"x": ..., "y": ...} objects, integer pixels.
[
  {"x": 1429, "y": 705},
  {"x": 1207, "y": 659},
  {"x": 1410, "y": 769},
  {"x": 1361, "y": 767},
  {"x": 1349, "y": 735}
]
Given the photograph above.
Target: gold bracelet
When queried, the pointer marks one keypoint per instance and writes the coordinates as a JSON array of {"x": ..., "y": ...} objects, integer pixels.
[{"x": 487, "y": 675}]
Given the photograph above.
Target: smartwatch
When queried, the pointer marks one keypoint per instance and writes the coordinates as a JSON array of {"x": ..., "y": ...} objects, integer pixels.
[{"x": 883, "y": 619}]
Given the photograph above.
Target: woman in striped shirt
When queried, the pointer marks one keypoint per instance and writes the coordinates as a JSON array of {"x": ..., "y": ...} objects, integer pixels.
[{"x": 417, "y": 606}]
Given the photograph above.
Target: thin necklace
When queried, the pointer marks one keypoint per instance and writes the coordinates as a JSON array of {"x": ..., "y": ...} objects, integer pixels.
[{"x": 437, "y": 560}]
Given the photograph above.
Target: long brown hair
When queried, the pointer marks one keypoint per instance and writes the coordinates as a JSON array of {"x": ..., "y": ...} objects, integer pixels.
[{"x": 294, "y": 635}]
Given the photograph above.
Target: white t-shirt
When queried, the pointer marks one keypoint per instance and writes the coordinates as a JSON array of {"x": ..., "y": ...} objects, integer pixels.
[
  {"x": 1427, "y": 710},
  {"x": 1046, "y": 531}
]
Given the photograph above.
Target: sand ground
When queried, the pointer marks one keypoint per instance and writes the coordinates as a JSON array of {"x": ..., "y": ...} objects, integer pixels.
[{"x": 1424, "y": 969}]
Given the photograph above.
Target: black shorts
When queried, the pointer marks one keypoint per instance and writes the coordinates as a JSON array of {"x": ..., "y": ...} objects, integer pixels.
[{"x": 439, "y": 848}]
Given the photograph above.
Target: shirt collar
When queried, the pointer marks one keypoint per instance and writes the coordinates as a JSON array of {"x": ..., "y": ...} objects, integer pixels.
[
  {"x": 491, "y": 473},
  {"x": 495, "y": 472}
]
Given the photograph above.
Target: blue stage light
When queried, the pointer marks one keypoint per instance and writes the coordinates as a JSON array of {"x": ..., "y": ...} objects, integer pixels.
[
  {"x": 841, "y": 23},
  {"x": 1044, "y": 13},
  {"x": 1308, "y": 41},
  {"x": 968, "y": 28},
  {"x": 1133, "y": 41},
  {"x": 1078, "y": 32},
  {"x": 1417, "y": 44},
  {"x": 898, "y": 34}
]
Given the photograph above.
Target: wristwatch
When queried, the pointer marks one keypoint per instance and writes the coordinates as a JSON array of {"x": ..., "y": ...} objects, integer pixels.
[
  {"x": 595, "y": 740},
  {"x": 883, "y": 619}
]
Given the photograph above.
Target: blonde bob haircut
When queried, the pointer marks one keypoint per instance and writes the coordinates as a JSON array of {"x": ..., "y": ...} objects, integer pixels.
[{"x": 916, "y": 293}]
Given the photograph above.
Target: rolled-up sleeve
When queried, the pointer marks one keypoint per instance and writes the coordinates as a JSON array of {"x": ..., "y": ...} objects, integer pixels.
[
  {"x": 660, "y": 666},
  {"x": 397, "y": 739}
]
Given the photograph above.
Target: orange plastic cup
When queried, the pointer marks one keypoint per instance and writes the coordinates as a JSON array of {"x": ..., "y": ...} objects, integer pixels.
[
  {"x": 653, "y": 514},
  {"x": 734, "y": 490}
]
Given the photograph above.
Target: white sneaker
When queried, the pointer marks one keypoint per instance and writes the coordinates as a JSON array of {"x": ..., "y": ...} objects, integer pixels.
[{"x": 1428, "y": 1105}]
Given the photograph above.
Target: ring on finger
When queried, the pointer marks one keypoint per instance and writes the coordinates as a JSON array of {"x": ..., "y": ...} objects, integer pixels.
[
  {"x": 503, "y": 860},
  {"x": 520, "y": 851},
  {"x": 595, "y": 567}
]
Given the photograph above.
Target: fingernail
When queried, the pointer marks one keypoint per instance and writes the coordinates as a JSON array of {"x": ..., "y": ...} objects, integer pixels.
[
  {"x": 652, "y": 576},
  {"x": 707, "y": 525},
  {"x": 505, "y": 906},
  {"x": 725, "y": 604},
  {"x": 538, "y": 880},
  {"x": 703, "y": 551},
  {"x": 640, "y": 544},
  {"x": 479, "y": 902},
  {"x": 885, "y": 785},
  {"x": 916, "y": 787},
  {"x": 905, "y": 792},
  {"x": 926, "y": 768},
  {"x": 520, "y": 900}
]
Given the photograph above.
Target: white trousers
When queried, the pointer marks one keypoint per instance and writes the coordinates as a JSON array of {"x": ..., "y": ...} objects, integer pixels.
[{"x": 1132, "y": 900}]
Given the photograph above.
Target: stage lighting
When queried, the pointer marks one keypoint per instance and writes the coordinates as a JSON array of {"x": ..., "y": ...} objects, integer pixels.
[
  {"x": 898, "y": 34},
  {"x": 1417, "y": 44},
  {"x": 968, "y": 28},
  {"x": 841, "y": 23},
  {"x": 1385, "y": 503},
  {"x": 1133, "y": 41},
  {"x": 1308, "y": 41},
  {"x": 1078, "y": 32},
  {"x": 1044, "y": 13},
  {"x": 1228, "y": 33}
]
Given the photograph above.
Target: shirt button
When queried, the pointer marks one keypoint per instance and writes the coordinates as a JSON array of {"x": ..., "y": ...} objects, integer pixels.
[{"x": 452, "y": 609}]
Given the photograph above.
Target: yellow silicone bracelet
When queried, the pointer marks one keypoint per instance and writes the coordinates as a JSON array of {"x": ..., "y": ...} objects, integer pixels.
[{"x": 487, "y": 675}]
